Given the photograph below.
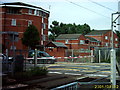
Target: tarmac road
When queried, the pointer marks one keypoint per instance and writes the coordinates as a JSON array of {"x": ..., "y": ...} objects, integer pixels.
[
  {"x": 93, "y": 70},
  {"x": 84, "y": 69}
]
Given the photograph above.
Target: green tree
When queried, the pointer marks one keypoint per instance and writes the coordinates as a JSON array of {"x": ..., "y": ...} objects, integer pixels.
[
  {"x": 85, "y": 29},
  {"x": 60, "y": 28},
  {"x": 118, "y": 34},
  {"x": 31, "y": 37},
  {"x": 54, "y": 29}
]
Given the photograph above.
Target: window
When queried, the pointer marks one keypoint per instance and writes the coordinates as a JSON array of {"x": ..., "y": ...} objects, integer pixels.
[
  {"x": 86, "y": 41},
  {"x": 82, "y": 42},
  {"x": 98, "y": 44},
  {"x": 38, "y": 13},
  {"x": 13, "y": 23},
  {"x": 116, "y": 45},
  {"x": 29, "y": 22},
  {"x": 35, "y": 12},
  {"x": 106, "y": 44},
  {"x": 43, "y": 37},
  {"x": 13, "y": 47},
  {"x": 44, "y": 15},
  {"x": 66, "y": 41},
  {"x": 116, "y": 39},
  {"x": 14, "y": 38},
  {"x": 106, "y": 37},
  {"x": 13, "y": 10},
  {"x": 42, "y": 20},
  {"x": 82, "y": 49},
  {"x": 30, "y": 11},
  {"x": 43, "y": 25}
]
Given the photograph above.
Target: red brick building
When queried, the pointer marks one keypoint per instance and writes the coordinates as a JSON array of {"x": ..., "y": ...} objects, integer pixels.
[
  {"x": 104, "y": 37},
  {"x": 76, "y": 42},
  {"x": 16, "y": 17},
  {"x": 56, "y": 49},
  {"x": 80, "y": 43},
  {"x": 73, "y": 41}
]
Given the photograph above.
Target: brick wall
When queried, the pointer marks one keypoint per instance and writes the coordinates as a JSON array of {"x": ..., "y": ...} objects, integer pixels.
[{"x": 21, "y": 25}]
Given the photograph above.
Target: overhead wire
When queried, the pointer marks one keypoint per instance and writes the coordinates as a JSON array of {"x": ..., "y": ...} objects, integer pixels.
[
  {"x": 87, "y": 8},
  {"x": 101, "y": 5}
]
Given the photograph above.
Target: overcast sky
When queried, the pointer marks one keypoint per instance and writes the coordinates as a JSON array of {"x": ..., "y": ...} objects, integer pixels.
[{"x": 96, "y": 13}]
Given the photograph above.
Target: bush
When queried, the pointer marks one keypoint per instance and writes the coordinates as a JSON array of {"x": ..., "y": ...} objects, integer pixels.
[
  {"x": 105, "y": 61},
  {"x": 35, "y": 71}
]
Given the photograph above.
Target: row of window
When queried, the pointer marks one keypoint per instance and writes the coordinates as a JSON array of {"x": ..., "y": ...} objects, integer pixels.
[
  {"x": 107, "y": 44},
  {"x": 37, "y": 12},
  {"x": 83, "y": 42},
  {"x": 13, "y": 23},
  {"x": 13, "y": 10},
  {"x": 30, "y": 11},
  {"x": 106, "y": 38}
]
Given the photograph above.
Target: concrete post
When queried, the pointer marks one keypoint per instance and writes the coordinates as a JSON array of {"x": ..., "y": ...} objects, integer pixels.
[{"x": 113, "y": 68}]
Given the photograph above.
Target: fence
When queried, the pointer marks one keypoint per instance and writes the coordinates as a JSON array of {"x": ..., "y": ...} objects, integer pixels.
[
  {"x": 6, "y": 66},
  {"x": 14, "y": 61},
  {"x": 86, "y": 56},
  {"x": 103, "y": 55},
  {"x": 77, "y": 56}
]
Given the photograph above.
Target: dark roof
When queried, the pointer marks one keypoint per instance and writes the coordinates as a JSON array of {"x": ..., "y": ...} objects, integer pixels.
[
  {"x": 92, "y": 39},
  {"x": 23, "y": 4},
  {"x": 98, "y": 32},
  {"x": 68, "y": 36},
  {"x": 56, "y": 44}
]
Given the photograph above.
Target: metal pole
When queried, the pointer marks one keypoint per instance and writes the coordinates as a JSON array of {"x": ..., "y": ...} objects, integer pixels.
[
  {"x": 13, "y": 63},
  {"x": 119, "y": 18},
  {"x": 7, "y": 60},
  {"x": 35, "y": 57},
  {"x": 112, "y": 37}
]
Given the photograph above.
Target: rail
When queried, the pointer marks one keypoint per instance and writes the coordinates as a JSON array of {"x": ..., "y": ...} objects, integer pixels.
[{"x": 71, "y": 86}]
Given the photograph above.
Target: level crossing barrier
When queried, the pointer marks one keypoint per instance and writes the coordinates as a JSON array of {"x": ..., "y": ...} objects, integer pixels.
[{"x": 62, "y": 57}]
